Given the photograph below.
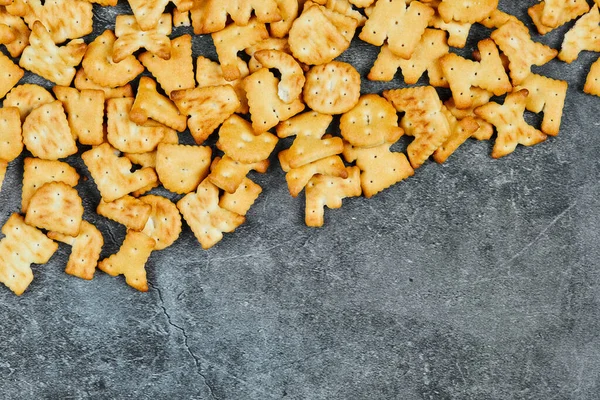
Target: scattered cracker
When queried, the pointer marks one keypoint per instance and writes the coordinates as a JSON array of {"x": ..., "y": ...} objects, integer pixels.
[
  {"x": 131, "y": 37},
  {"x": 27, "y": 97},
  {"x": 297, "y": 178},
  {"x": 205, "y": 217},
  {"x": 181, "y": 18},
  {"x": 479, "y": 97},
  {"x": 149, "y": 104},
  {"x": 557, "y": 13},
  {"x": 181, "y": 168},
  {"x": 210, "y": 73},
  {"x": 210, "y": 16},
  {"x": 238, "y": 140},
  {"x": 64, "y": 19},
  {"x": 228, "y": 174},
  {"x": 332, "y": 88},
  {"x": 85, "y": 251},
  {"x": 510, "y": 124},
  {"x": 280, "y": 44},
  {"x": 3, "y": 168},
  {"x": 498, "y": 18},
  {"x": 56, "y": 207},
  {"x": 469, "y": 11},
  {"x": 329, "y": 191},
  {"x": 164, "y": 224},
  {"x": 127, "y": 210},
  {"x": 19, "y": 30},
  {"x": 85, "y": 110},
  {"x": 585, "y": 35},
  {"x": 207, "y": 107},
  {"x": 149, "y": 159},
  {"x": 288, "y": 9},
  {"x": 82, "y": 82},
  {"x": 242, "y": 199},
  {"x": 11, "y": 139},
  {"x": 148, "y": 13},
  {"x": 292, "y": 76},
  {"x": 592, "y": 83},
  {"x": 37, "y": 172},
  {"x": 22, "y": 246},
  {"x": 458, "y": 32},
  {"x": 460, "y": 131},
  {"x": 131, "y": 260},
  {"x": 112, "y": 173},
  {"x": 10, "y": 74}
]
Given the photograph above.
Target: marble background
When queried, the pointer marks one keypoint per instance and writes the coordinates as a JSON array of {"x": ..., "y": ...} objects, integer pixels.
[{"x": 476, "y": 279}]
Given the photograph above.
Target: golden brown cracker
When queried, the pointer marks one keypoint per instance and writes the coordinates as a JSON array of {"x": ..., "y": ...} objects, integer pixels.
[
  {"x": 584, "y": 35},
  {"x": 181, "y": 18},
  {"x": 460, "y": 131},
  {"x": 10, "y": 74},
  {"x": 288, "y": 9},
  {"x": 479, "y": 97},
  {"x": 177, "y": 73},
  {"x": 238, "y": 140},
  {"x": 27, "y": 97},
  {"x": 164, "y": 224},
  {"x": 64, "y": 19},
  {"x": 22, "y": 246},
  {"x": 297, "y": 178},
  {"x": 592, "y": 82},
  {"x": 271, "y": 43},
  {"x": 56, "y": 207},
  {"x": 458, "y": 32},
  {"x": 242, "y": 199},
  {"x": 131, "y": 38},
  {"x": 37, "y": 172},
  {"x": 207, "y": 107},
  {"x": 228, "y": 174},
  {"x": 211, "y": 16},
  {"x": 11, "y": 139},
  {"x": 510, "y": 124},
  {"x": 210, "y": 73},
  {"x": 332, "y": 88},
  {"x": 292, "y": 76},
  {"x": 469, "y": 11},
  {"x": 181, "y": 168},
  {"x": 205, "y": 217},
  {"x": 82, "y": 82},
  {"x": 85, "y": 111},
  {"x": 131, "y": 260},
  {"x": 112, "y": 174},
  {"x": 46, "y": 132},
  {"x": 3, "y": 169},
  {"x": 559, "y": 12},
  {"x": 19, "y": 30},
  {"x": 100, "y": 67},
  {"x": 149, "y": 159},
  {"x": 149, "y": 104},
  {"x": 498, "y": 18},
  {"x": 127, "y": 210},
  {"x": 148, "y": 13},
  {"x": 85, "y": 250}
]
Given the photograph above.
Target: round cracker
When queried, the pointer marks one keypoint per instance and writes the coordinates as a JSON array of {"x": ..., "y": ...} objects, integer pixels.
[
  {"x": 332, "y": 88},
  {"x": 164, "y": 224}
]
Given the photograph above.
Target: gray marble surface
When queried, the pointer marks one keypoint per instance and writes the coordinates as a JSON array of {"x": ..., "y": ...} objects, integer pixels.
[{"x": 476, "y": 279}]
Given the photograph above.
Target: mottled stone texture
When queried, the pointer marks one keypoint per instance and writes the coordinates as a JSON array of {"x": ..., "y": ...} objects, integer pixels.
[{"x": 477, "y": 279}]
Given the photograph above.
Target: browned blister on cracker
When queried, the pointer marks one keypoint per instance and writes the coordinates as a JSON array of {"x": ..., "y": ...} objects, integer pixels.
[
  {"x": 207, "y": 107},
  {"x": 112, "y": 174},
  {"x": 46, "y": 132},
  {"x": 43, "y": 57},
  {"x": 266, "y": 108},
  {"x": 460, "y": 131},
  {"x": 82, "y": 82},
  {"x": 522, "y": 52},
  {"x": 242, "y": 199},
  {"x": 164, "y": 224},
  {"x": 592, "y": 82},
  {"x": 510, "y": 123},
  {"x": 100, "y": 67},
  {"x": 149, "y": 104},
  {"x": 228, "y": 174},
  {"x": 372, "y": 122},
  {"x": 233, "y": 39},
  {"x": 85, "y": 250},
  {"x": 547, "y": 95},
  {"x": 238, "y": 140},
  {"x": 400, "y": 24},
  {"x": 583, "y": 36},
  {"x": 297, "y": 178},
  {"x": 57, "y": 207},
  {"x": 488, "y": 74},
  {"x": 425, "y": 57},
  {"x": 11, "y": 139},
  {"x": 127, "y": 210},
  {"x": 181, "y": 168},
  {"x": 332, "y": 88},
  {"x": 37, "y": 172},
  {"x": 10, "y": 74},
  {"x": 22, "y": 246},
  {"x": 85, "y": 110},
  {"x": 27, "y": 97},
  {"x": 423, "y": 119},
  {"x": 176, "y": 73},
  {"x": 470, "y": 11},
  {"x": 131, "y": 38},
  {"x": 205, "y": 217},
  {"x": 131, "y": 260},
  {"x": 323, "y": 190}
]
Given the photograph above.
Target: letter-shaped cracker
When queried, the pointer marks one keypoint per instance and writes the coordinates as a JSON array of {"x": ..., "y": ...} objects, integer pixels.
[
  {"x": 149, "y": 12},
  {"x": 181, "y": 168},
  {"x": 46, "y": 132},
  {"x": 127, "y": 210},
  {"x": 462, "y": 74},
  {"x": 329, "y": 191},
  {"x": 289, "y": 12},
  {"x": 207, "y": 107},
  {"x": 228, "y": 174},
  {"x": 43, "y": 57},
  {"x": 27, "y": 97},
  {"x": 131, "y": 260},
  {"x": 164, "y": 224},
  {"x": 113, "y": 175},
  {"x": 458, "y": 32},
  {"x": 242, "y": 199},
  {"x": 127, "y": 136},
  {"x": 149, "y": 159},
  {"x": 85, "y": 111},
  {"x": 426, "y": 57},
  {"x": 402, "y": 26},
  {"x": 149, "y": 104},
  {"x": 498, "y": 18},
  {"x": 82, "y": 82},
  {"x": 233, "y": 39},
  {"x": 343, "y": 7},
  {"x": 19, "y": 30},
  {"x": 22, "y": 246},
  {"x": 423, "y": 119},
  {"x": 510, "y": 124},
  {"x": 292, "y": 76},
  {"x": 514, "y": 41},
  {"x": 460, "y": 131},
  {"x": 470, "y": 11},
  {"x": 11, "y": 140},
  {"x": 380, "y": 167},
  {"x": 177, "y": 73},
  {"x": 585, "y": 35},
  {"x": 266, "y": 108},
  {"x": 131, "y": 37},
  {"x": 480, "y": 97},
  {"x": 205, "y": 217},
  {"x": 372, "y": 122},
  {"x": 210, "y": 73},
  {"x": 547, "y": 95},
  {"x": 100, "y": 67},
  {"x": 64, "y": 19},
  {"x": 559, "y": 13},
  {"x": 297, "y": 178},
  {"x": 37, "y": 172},
  {"x": 210, "y": 16},
  {"x": 56, "y": 207},
  {"x": 592, "y": 82},
  {"x": 10, "y": 74},
  {"x": 85, "y": 250},
  {"x": 238, "y": 141},
  {"x": 267, "y": 44}
]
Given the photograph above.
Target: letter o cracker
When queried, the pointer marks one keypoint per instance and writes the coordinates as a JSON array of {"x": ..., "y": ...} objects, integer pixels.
[{"x": 332, "y": 88}]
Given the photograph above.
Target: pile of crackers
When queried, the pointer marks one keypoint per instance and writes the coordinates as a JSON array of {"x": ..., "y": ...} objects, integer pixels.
[{"x": 287, "y": 84}]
